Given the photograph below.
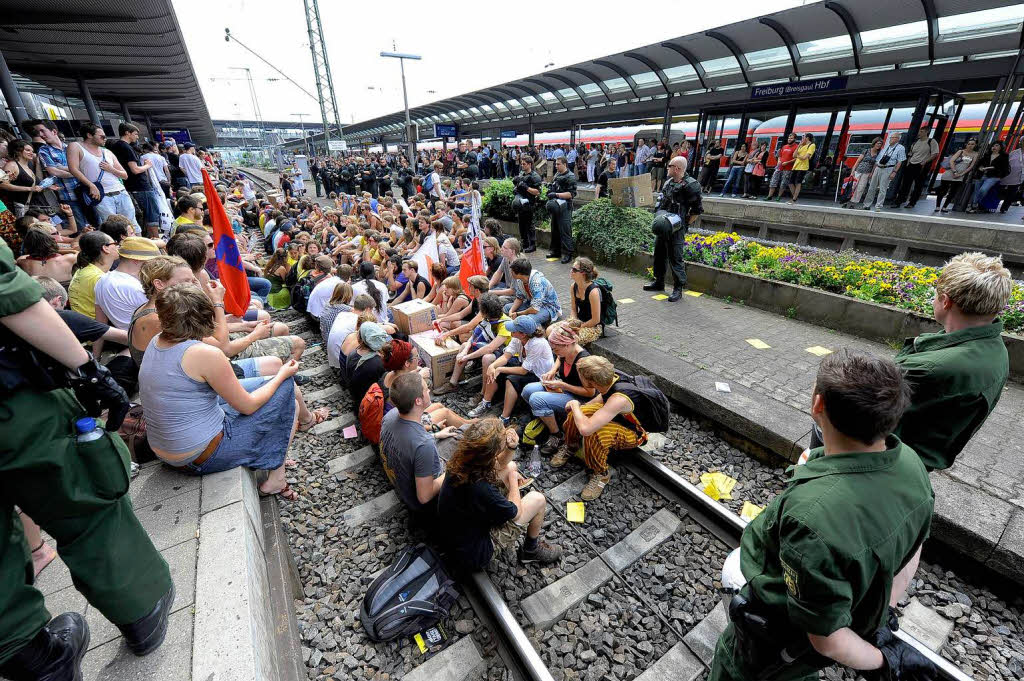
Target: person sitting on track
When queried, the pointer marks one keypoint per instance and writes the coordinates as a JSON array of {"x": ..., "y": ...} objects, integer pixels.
[
  {"x": 560, "y": 385},
  {"x": 525, "y": 358},
  {"x": 407, "y": 451},
  {"x": 199, "y": 417},
  {"x": 612, "y": 421},
  {"x": 477, "y": 517},
  {"x": 490, "y": 336}
]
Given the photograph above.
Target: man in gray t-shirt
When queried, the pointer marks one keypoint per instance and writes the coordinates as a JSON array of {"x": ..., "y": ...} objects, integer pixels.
[{"x": 408, "y": 451}]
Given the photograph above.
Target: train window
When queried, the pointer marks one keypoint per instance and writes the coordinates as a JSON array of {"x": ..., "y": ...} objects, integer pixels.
[{"x": 859, "y": 144}]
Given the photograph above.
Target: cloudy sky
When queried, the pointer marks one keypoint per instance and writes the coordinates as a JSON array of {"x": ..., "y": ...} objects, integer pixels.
[{"x": 474, "y": 45}]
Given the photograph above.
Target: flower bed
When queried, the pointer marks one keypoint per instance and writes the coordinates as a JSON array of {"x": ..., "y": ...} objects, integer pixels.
[{"x": 902, "y": 285}]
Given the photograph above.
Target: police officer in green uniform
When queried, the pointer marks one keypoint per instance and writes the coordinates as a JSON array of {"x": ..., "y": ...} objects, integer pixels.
[
  {"x": 76, "y": 491},
  {"x": 527, "y": 187},
  {"x": 957, "y": 374},
  {"x": 561, "y": 193},
  {"x": 679, "y": 206},
  {"x": 830, "y": 554}
]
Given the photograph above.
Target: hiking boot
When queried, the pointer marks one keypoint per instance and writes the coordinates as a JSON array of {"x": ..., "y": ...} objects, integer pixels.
[
  {"x": 53, "y": 654},
  {"x": 595, "y": 486},
  {"x": 543, "y": 553},
  {"x": 145, "y": 634},
  {"x": 553, "y": 444},
  {"x": 445, "y": 388},
  {"x": 561, "y": 457},
  {"x": 654, "y": 286},
  {"x": 480, "y": 409},
  {"x": 677, "y": 293}
]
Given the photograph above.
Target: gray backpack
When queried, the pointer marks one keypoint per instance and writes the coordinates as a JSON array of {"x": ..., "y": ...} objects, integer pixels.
[{"x": 414, "y": 593}]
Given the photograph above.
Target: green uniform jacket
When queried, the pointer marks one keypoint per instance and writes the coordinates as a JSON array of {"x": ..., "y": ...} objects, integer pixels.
[
  {"x": 957, "y": 380},
  {"x": 823, "y": 554}
]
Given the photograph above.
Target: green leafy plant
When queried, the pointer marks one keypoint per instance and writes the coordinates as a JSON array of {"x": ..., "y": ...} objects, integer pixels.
[
  {"x": 497, "y": 202},
  {"x": 613, "y": 231}
]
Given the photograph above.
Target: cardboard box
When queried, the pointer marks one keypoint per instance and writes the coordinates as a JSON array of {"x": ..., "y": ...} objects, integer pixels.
[
  {"x": 413, "y": 316},
  {"x": 631, "y": 192},
  {"x": 440, "y": 360}
]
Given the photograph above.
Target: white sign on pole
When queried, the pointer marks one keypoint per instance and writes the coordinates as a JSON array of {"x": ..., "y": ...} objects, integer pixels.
[{"x": 337, "y": 145}]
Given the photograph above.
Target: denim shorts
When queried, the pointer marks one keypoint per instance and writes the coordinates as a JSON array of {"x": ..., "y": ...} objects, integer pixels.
[
  {"x": 258, "y": 440},
  {"x": 250, "y": 367},
  {"x": 149, "y": 202}
]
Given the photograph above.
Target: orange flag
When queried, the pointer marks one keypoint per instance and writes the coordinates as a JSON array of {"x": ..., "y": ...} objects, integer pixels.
[
  {"x": 229, "y": 260},
  {"x": 471, "y": 265}
]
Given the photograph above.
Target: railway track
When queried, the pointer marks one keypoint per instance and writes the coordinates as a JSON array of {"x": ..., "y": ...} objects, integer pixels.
[{"x": 644, "y": 564}]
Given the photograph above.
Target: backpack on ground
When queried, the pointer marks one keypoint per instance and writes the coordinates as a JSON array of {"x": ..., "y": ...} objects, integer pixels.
[
  {"x": 609, "y": 308},
  {"x": 655, "y": 410},
  {"x": 371, "y": 413},
  {"x": 847, "y": 188},
  {"x": 414, "y": 593},
  {"x": 133, "y": 432},
  {"x": 533, "y": 433}
]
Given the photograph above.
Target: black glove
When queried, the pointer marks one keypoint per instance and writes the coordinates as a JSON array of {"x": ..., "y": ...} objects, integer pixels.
[
  {"x": 901, "y": 661},
  {"x": 893, "y": 622},
  {"x": 96, "y": 389}
]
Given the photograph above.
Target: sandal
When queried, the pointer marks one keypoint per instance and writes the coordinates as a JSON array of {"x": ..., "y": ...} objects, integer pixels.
[
  {"x": 316, "y": 416},
  {"x": 286, "y": 493},
  {"x": 46, "y": 554}
]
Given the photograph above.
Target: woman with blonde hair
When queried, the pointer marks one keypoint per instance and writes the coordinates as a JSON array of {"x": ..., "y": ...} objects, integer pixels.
[
  {"x": 479, "y": 519},
  {"x": 341, "y": 301},
  {"x": 457, "y": 304}
]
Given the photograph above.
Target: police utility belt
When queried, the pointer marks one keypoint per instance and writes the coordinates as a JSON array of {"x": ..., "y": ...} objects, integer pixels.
[
  {"x": 766, "y": 645},
  {"x": 24, "y": 367}
]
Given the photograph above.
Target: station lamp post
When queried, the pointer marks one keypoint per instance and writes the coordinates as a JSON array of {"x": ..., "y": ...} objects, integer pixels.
[{"x": 401, "y": 57}]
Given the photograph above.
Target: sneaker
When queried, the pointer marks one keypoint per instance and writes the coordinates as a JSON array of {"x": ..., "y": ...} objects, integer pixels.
[
  {"x": 552, "y": 446},
  {"x": 475, "y": 400},
  {"x": 595, "y": 486},
  {"x": 480, "y": 409},
  {"x": 561, "y": 457},
  {"x": 543, "y": 553}
]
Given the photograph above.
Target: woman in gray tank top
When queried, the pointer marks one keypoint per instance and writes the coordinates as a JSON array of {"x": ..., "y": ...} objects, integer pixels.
[{"x": 199, "y": 417}]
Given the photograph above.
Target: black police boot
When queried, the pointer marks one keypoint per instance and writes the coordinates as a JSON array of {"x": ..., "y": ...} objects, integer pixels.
[
  {"x": 530, "y": 249},
  {"x": 566, "y": 259},
  {"x": 54, "y": 654},
  {"x": 552, "y": 254},
  {"x": 145, "y": 634},
  {"x": 677, "y": 293},
  {"x": 654, "y": 286}
]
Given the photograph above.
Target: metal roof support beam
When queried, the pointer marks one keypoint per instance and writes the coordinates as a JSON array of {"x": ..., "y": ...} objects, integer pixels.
[
  {"x": 467, "y": 103},
  {"x": 548, "y": 88},
  {"x": 649, "y": 63},
  {"x": 932, "y": 19},
  {"x": 90, "y": 106},
  {"x": 11, "y": 94},
  {"x": 731, "y": 45},
  {"x": 28, "y": 17},
  {"x": 691, "y": 60},
  {"x": 593, "y": 79},
  {"x": 851, "y": 28},
  {"x": 125, "y": 114},
  {"x": 622, "y": 73},
  {"x": 575, "y": 88},
  {"x": 787, "y": 40},
  {"x": 511, "y": 95},
  {"x": 533, "y": 93}
]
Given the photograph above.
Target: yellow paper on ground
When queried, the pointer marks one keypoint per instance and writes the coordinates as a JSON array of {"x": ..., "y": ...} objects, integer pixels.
[
  {"x": 574, "y": 511},
  {"x": 660, "y": 296},
  {"x": 758, "y": 343},
  {"x": 551, "y": 259},
  {"x": 750, "y": 511},
  {"x": 623, "y": 301},
  {"x": 419, "y": 642},
  {"x": 695, "y": 294},
  {"x": 819, "y": 351},
  {"x": 712, "y": 491},
  {"x": 722, "y": 482}
]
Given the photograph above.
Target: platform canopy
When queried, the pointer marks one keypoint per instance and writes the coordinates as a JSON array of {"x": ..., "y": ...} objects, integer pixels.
[
  {"x": 829, "y": 38},
  {"x": 126, "y": 51}
]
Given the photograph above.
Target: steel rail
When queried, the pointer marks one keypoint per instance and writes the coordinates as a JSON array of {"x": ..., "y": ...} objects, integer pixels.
[{"x": 729, "y": 526}]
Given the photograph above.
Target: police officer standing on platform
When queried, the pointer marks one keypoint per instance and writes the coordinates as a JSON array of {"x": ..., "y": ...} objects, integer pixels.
[
  {"x": 72, "y": 479},
  {"x": 679, "y": 206},
  {"x": 824, "y": 563},
  {"x": 527, "y": 184},
  {"x": 561, "y": 193},
  {"x": 467, "y": 163}
]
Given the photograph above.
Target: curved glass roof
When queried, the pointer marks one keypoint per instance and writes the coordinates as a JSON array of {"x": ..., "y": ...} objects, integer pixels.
[{"x": 833, "y": 36}]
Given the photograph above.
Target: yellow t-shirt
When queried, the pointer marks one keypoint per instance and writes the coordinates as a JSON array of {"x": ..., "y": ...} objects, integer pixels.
[
  {"x": 82, "y": 290},
  {"x": 804, "y": 154}
]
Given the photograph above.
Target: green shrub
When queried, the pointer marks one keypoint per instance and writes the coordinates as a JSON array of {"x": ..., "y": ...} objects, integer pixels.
[
  {"x": 613, "y": 231},
  {"x": 497, "y": 202}
]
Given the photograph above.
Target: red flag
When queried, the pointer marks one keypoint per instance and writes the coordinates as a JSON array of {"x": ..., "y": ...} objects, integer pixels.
[
  {"x": 471, "y": 265},
  {"x": 229, "y": 260}
]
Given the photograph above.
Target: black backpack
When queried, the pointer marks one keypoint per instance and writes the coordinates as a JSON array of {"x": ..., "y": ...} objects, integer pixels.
[
  {"x": 300, "y": 291},
  {"x": 414, "y": 593},
  {"x": 653, "y": 412},
  {"x": 609, "y": 309}
]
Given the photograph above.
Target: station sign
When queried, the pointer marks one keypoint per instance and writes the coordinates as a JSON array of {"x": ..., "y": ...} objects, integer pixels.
[
  {"x": 337, "y": 145},
  {"x": 800, "y": 87},
  {"x": 446, "y": 130},
  {"x": 509, "y": 134},
  {"x": 180, "y": 136}
]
